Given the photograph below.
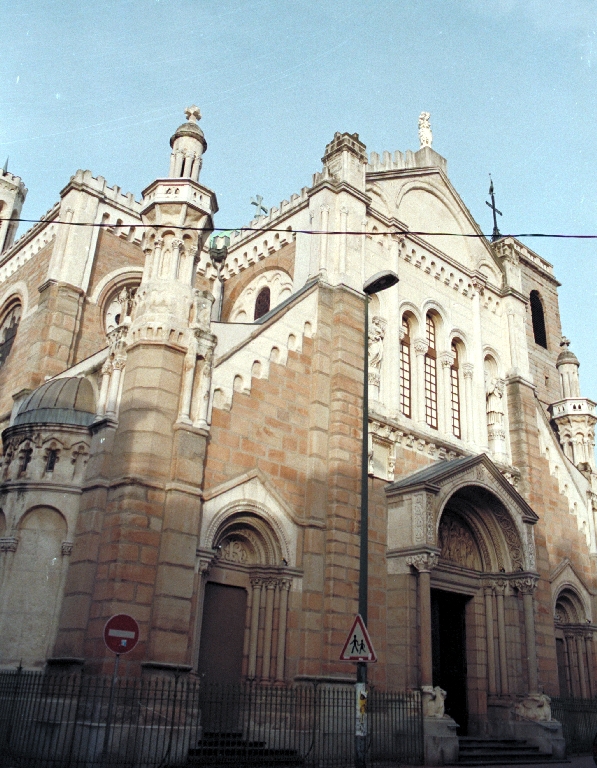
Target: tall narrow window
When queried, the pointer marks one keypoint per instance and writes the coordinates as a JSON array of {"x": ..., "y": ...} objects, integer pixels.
[
  {"x": 8, "y": 330},
  {"x": 431, "y": 375},
  {"x": 405, "y": 378},
  {"x": 262, "y": 303},
  {"x": 538, "y": 318},
  {"x": 455, "y": 393}
]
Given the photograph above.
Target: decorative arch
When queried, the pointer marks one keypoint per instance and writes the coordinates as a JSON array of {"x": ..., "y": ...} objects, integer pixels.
[
  {"x": 248, "y": 539},
  {"x": 115, "y": 280}
]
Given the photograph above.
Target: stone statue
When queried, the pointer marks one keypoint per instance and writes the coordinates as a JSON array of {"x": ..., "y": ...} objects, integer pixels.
[
  {"x": 494, "y": 404},
  {"x": 377, "y": 332},
  {"x": 535, "y": 707},
  {"x": 433, "y": 701},
  {"x": 425, "y": 135}
]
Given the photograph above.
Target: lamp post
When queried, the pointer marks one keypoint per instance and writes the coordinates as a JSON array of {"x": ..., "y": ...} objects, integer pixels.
[
  {"x": 218, "y": 251},
  {"x": 379, "y": 282}
]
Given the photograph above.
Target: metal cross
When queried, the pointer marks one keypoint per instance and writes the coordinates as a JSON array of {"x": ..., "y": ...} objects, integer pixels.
[
  {"x": 496, "y": 232},
  {"x": 261, "y": 209}
]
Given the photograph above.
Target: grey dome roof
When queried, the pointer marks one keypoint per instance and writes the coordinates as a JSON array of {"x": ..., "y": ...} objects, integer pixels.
[
  {"x": 189, "y": 129},
  {"x": 566, "y": 356},
  {"x": 60, "y": 401}
]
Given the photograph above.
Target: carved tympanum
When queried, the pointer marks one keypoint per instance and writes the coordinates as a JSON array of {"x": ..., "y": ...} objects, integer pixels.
[{"x": 457, "y": 542}]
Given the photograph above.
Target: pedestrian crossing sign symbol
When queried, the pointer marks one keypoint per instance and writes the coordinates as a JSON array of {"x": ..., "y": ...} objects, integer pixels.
[{"x": 358, "y": 645}]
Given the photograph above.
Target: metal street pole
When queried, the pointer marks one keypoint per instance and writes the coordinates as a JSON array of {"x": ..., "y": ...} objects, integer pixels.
[{"x": 375, "y": 284}]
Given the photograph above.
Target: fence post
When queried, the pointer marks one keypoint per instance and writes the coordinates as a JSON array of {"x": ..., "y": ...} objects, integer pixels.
[
  {"x": 15, "y": 703},
  {"x": 109, "y": 713}
]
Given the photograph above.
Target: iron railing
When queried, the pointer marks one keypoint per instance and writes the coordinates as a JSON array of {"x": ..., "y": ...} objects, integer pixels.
[
  {"x": 579, "y": 723},
  {"x": 78, "y": 721}
]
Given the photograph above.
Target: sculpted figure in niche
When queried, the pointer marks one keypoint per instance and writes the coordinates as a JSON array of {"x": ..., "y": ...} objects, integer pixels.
[
  {"x": 494, "y": 402},
  {"x": 456, "y": 542},
  {"x": 377, "y": 332}
]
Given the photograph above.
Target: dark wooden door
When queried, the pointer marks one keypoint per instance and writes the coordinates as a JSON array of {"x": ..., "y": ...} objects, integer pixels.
[
  {"x": 222, "y": 634},
  {"x": 449, "y": 652}
]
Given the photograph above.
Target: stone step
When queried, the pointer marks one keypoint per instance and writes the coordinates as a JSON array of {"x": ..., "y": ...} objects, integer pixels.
[{"x": 480, "y": 751}]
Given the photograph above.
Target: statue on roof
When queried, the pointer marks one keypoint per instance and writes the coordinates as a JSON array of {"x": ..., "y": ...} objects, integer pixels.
[{"x": 425, "y": 135}]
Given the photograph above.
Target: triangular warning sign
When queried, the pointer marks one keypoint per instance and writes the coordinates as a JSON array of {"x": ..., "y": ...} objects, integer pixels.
[{"x": 358, "y": 645}]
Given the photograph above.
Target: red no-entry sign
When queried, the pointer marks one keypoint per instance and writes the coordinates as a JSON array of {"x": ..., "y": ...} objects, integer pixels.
[{"x": 121, "y": 633}]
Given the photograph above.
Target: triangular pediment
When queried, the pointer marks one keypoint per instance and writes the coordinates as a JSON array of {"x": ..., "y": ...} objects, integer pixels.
[
  {"x": 474, "y": 470},
  {"x": 424, "y": 200}
]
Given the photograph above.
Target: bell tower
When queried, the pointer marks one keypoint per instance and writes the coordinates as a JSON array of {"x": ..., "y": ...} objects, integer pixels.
[{"x": 12, "y": 196}]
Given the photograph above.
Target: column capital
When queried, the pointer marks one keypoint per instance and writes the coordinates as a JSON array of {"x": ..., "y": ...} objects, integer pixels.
[
  {"x": 499, "y": 586},
  {"x": 424, "y": 562},
  {"x": 67, "y": 548},
  {"x": 447, "y": 359},
  {"x": 526, "y": 585},
  {"x": 467, "y": 370},
  {"x": 8, "y": 544},
  {"x": 420, "y": 346}
]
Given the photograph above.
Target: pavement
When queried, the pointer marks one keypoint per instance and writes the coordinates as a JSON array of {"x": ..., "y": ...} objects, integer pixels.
[{"x": 578, "y": 761}]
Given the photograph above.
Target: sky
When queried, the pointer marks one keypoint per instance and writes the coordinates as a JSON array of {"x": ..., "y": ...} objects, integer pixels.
[{"x": 510, "y": 85}]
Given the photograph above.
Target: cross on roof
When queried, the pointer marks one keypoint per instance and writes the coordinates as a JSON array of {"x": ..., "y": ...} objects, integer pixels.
[
  {"x": 495, "y": 235},
  {"x": 193, "y": 114},
  {"x": 258, "y": 203}
]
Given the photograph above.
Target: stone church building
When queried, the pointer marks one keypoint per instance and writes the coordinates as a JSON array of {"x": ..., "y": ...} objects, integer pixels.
[{"x": 182, "y": 423}]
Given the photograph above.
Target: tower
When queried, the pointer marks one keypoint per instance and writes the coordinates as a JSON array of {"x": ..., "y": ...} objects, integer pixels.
[
  {"x": 12, "y": 196},
  {"x": 151, "y": 447}
]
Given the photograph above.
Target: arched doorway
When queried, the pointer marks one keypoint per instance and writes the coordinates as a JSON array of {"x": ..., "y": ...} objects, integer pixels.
[
  {"x": 472, "y": 554},
  {"x": 573, "y": 646},
  {"x": 245, "y": 604}
]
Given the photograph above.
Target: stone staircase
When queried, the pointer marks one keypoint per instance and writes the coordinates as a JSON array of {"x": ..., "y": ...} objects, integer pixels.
[
  {"x": 480, "y": 751},
  {"x": 218, "y": 749}
]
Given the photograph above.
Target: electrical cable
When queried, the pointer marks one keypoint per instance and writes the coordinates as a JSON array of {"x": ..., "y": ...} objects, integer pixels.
[{"x": 137, "y": 225}]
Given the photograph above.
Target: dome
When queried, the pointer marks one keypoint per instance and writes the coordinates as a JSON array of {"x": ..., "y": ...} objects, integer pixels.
[
  {"x": 189, "y": 129},
  {"x": 566, "y": 356},
  {"x": 60, "y": 401}
]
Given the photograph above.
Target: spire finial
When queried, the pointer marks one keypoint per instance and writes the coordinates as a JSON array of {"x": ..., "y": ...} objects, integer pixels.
[
  {"x": 425, "y": 135},
  {"x": 5, "y": 168},
  {"x": 193, "y": 114}
]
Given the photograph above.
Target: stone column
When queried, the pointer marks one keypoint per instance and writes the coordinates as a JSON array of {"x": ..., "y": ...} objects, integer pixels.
[
  {"x": 445, "y": 393},
  {"x": 282, "y": 623},
  {"x": 112, "y": 404},
  {"x": 343, "y": 240},
  {"x": 323, "y": 250},
  {"x": 103, "y": 395},
  {"x": 424, "y": 563},
  {"x": 417, "y": 385},
  {"x": 270, "y": 593},
  {"x": 500, "y": 587},
  {"x": 582, "y": 672},
  {"x": 527, "y": 586},
  {"x": 190, "y": 361},
  {"x": 491, "y": 670},
  {"x": 254, "y": 631},
  {"x": 8, "y": 547},
  {"x": 467, "y": 372},
  {"x": 590, "y": 668}
]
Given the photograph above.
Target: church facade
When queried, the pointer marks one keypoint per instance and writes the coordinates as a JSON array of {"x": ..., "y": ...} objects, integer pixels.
[{"x": 182, "y": 424}]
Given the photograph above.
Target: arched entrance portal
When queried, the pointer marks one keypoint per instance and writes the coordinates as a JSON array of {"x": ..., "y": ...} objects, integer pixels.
[
  {"x": 473, "y": 555},
  {"x": 245, "y": 604}
]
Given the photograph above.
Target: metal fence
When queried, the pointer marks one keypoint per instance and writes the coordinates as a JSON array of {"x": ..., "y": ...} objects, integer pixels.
[
  {"x": 579, "y": 723},
  {"x": 50, "y": 721}
]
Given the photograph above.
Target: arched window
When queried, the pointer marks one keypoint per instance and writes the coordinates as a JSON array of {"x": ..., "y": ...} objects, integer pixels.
[
  {"x": 430, "y": 375},
  {"x": 455, "y": 393},
  {"x": 405, "y": 377},
  {"x": 262, "y": 303},
  {"x": 8, "y": 330},
  {"x": 119, "y": 305},
  {"x": 538, "y": 317}
]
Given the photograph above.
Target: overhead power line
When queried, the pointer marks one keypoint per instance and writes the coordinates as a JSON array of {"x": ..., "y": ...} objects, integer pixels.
[{"x": 107, "y": 225}]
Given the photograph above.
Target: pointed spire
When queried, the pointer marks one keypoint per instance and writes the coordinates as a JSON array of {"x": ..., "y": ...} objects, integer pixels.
[
  {"x": 496, "y": 232},
  {"x": 5, "y": 168}
]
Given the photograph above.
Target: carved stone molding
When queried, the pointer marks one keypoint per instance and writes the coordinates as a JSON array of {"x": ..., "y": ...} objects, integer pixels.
[
  {"x": 467, "y": 370},
  {"x": 67, "y": 548},
  {"x": 420, "y": 346}
]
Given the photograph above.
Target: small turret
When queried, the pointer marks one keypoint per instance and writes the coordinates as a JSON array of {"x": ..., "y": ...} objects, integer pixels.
[
  {"x": 188, "y": 145},
  {"x": 12, "y": 196},
  {"x": 575, "y": 416}
]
